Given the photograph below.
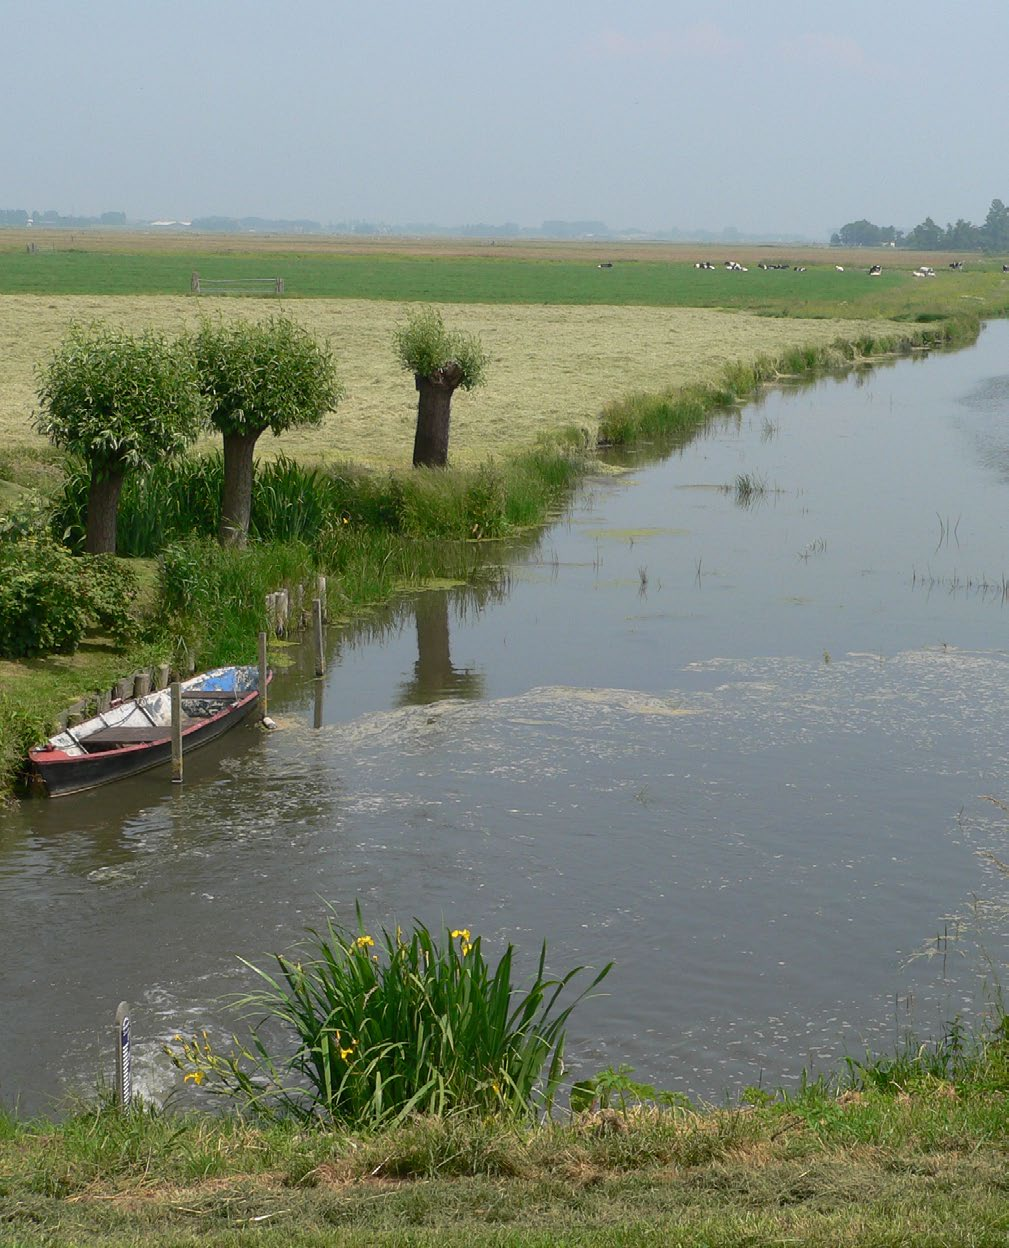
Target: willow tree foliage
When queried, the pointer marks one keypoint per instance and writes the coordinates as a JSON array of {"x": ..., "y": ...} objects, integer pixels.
[
  {"x": 270, "y": 374},
  {"x": 442, "y": 361},
  {"x": 121, "y": 402}
]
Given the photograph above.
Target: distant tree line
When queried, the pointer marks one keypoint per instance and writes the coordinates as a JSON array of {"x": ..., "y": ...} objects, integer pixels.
[
  {"x": 20, "y": 216},
  {"x": 257, "y": 225},
  {"x": 992, "y": 236}
]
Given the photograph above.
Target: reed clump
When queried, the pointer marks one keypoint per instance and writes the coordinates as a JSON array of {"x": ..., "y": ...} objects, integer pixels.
[
  {"x": 376, "y": 1029},
  {"x": 293, "y": 502}
]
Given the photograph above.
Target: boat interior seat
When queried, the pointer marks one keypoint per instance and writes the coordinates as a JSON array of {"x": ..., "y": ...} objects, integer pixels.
[{"x": 111, "y": 738}]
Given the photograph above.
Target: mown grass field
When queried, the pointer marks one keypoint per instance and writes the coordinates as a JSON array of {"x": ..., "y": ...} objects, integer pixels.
[{"x": 551, "y": 366}]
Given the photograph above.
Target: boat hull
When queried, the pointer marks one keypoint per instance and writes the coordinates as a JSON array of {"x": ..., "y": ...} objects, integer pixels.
[{"x": 64, "y": 774}]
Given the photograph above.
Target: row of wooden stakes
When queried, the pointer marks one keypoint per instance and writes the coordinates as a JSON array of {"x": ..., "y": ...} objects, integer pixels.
[
  {"x": 134, "y": 686},
  {"x": 290, "y": 611},
  {"x": 287, "y": 611}
]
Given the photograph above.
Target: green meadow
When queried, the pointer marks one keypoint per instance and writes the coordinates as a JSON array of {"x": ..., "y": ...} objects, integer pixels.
[{"x": 818, "y": 291}]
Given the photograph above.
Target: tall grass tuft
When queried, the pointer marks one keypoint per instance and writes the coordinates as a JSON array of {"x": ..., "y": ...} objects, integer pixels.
[
  {"x": 172, "y": 500},
  {"x": 375, "y": 1031},
  {"x": 215, "y": 597},
  {"x": 295, "y": 502}
]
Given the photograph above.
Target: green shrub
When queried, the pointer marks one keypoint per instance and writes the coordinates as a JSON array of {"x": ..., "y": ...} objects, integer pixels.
[
  {"x": 108, "y": 589},
  {"x": 41, "y": 609},
  {"x": 214, "y": 598},
  {"x": 28, "y": 518},
  {"x": 384, "y": 1029},
  {"x": 49, "y": 599}
]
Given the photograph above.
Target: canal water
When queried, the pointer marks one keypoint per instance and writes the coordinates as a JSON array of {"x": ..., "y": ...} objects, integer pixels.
[{"x": 739, "y": 723}]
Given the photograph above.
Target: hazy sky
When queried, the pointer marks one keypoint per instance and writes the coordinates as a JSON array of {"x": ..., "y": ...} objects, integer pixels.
[{"x": 774, "y": 116}]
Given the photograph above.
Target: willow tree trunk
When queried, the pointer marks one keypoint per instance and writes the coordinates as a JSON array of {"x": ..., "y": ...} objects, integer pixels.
[
  {"x": 236, "y": 500},
  {"x": 103, "y": 510},
  {"x": 434, "y": 408}
]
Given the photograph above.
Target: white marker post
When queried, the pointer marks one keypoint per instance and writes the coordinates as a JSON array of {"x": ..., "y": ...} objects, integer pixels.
[{"x": 124, "y": 1061}]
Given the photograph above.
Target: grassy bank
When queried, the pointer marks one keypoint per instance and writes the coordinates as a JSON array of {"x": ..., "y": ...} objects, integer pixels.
[
  {"x": 374, "y": 538},
  {"x": 920, "y": 1164}
]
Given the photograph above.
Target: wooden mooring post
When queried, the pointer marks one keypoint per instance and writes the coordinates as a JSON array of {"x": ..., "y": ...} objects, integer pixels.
[
  {"x": 264, "y": 684},
  {"x": 176, "y": 732},
  {"x": 320, "y": 645}
]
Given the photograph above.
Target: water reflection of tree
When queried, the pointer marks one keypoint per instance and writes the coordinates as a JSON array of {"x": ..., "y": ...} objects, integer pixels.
[{"x": 435, "y": 676}]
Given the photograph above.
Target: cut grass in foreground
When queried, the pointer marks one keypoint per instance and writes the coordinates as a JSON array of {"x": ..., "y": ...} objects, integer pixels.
[
  {"x": 903, "y": 1150},
  {"x": 922, "y": 1168}
]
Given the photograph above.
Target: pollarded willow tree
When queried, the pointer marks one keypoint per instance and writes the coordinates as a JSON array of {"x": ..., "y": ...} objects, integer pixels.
[
  {"x": 121, "y": 402},
  {"x": 442, "y": 361},
  {"x": 259, "y": 375}
]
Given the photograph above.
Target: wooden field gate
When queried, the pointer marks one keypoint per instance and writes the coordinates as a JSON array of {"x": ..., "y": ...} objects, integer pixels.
[{"x": 236, "y": 285}]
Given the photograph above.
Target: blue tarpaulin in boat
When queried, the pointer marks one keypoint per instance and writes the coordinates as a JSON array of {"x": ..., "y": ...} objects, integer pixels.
[{"x": 224, "y": 683}]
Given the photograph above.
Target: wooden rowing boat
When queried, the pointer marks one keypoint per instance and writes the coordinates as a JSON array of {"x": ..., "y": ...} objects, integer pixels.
[{"x": 136, "y": 733}]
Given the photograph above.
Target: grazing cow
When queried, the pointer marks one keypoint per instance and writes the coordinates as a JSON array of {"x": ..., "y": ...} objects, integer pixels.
[
  {"x": 956, "y": 264},
  {"x": 1005, "y": 268},
  {"x": 839, "y": 268},
  {"x": 876, "y": 270}
]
